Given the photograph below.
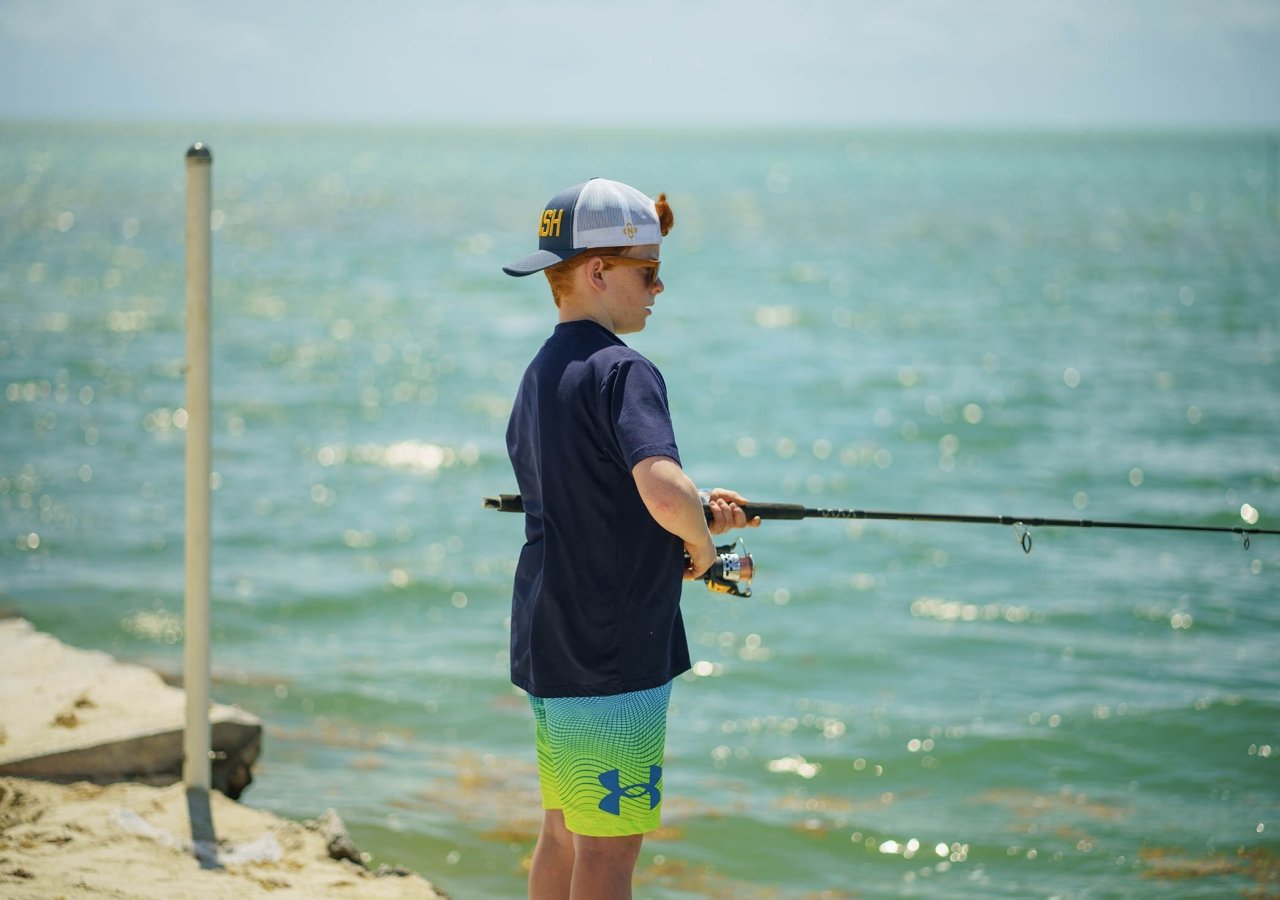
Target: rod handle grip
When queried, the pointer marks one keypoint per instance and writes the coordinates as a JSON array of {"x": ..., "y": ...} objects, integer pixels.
[
  {"x": 773, "y": 511},
  {"x": 512, "y": 503}
]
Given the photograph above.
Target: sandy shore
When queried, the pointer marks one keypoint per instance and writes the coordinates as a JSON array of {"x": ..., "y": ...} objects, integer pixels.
[
  {"x": 91, "y": 801},
  {"x": 131, "y": 840}
]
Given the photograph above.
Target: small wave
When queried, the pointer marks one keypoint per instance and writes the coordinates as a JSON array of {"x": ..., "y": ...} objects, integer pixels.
[
  {"x": 413, "y": 455},
  {"x": 956, "y": 611}
]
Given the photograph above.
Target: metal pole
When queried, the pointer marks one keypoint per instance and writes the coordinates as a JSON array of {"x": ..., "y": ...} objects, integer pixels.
[
  {"x": 1273, "y": 176},
  {"x": 196, "y": 768}
]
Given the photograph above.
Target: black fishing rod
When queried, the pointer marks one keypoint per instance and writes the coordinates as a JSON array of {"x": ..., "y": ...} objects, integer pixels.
[{"x": 1022, "y": 524}]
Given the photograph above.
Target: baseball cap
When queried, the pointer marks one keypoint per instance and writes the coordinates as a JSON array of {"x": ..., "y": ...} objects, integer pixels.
[{"x": 596, "y": 213}]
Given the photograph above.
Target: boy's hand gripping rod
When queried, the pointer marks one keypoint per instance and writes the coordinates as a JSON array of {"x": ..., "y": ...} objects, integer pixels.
[
  {"x": 731, "y": 573},
  {"x": 1021, "y": 524}
]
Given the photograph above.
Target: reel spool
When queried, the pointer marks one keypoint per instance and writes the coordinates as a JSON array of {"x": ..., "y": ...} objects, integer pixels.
[{"x": 732, "y": 572}]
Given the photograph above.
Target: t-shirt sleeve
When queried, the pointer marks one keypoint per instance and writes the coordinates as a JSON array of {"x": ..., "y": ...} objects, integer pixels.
[{"x": 639, "y": 413}]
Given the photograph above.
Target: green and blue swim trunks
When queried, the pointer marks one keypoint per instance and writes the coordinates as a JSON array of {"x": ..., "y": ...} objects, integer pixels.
[{"x": 600, "y": 759}]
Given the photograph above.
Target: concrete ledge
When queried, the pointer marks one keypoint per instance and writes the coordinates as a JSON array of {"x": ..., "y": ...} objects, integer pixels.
[{"x": 78, "y": 715}]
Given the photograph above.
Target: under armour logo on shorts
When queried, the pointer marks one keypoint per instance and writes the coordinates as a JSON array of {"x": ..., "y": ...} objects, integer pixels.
[{"x": 612, "y": 801}]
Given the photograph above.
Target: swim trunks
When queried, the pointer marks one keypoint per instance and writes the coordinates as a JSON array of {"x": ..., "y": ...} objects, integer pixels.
[{"x": 600, "y": 759}]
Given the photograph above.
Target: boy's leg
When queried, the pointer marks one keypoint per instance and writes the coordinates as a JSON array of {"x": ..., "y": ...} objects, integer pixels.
[
  {"x": 551, "y": 872},
  {"x": 603, "y": 866},
  {"x": 551, "y": 869},
  {"x": 567, "y": 865}
]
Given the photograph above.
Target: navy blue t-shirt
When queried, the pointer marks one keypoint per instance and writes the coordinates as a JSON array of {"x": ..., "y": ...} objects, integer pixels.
[{"x": 596, "y": 604}]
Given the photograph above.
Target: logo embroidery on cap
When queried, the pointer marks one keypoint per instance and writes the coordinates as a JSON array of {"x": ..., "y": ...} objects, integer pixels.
[
  {"x": 629, "y": 230},
  {"x": 550, "y": 226}
]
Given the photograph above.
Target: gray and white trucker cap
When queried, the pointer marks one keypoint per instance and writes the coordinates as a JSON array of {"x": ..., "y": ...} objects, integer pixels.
[{"x": 596, "y": 213}]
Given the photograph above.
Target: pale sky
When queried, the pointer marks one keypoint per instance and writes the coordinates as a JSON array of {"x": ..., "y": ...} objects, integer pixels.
[{"x": 1020, "y": 63}]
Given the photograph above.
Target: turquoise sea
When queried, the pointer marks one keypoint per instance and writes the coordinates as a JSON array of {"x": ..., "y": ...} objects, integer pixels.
[{"x": 1031, "y": 324}]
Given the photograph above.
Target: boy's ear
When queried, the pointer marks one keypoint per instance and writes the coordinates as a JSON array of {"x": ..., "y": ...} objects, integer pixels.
[{"x": 594, "y": 270}]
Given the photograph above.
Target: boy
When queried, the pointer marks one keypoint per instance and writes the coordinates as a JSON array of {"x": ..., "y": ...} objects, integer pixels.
[{"x": 612, "y": 525}]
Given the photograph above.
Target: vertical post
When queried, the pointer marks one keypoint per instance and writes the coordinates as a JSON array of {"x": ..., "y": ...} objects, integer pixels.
[
  {"x": 196, "y": 737},
  {"x": 1273, "y": 178}
]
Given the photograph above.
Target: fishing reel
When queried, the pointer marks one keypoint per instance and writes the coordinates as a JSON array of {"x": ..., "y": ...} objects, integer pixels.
[{"x": 732, "y": 571}]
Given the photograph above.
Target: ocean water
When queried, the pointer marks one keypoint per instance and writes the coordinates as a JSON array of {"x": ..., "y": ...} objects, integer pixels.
[{"x": 1032, "y": 324}]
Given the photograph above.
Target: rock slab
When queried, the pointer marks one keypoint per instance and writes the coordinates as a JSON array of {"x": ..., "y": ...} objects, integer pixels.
[{"x": 69, "y": 715}]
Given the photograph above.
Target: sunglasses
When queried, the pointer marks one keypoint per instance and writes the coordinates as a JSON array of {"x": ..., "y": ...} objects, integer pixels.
[{"x": 650, "y": 266}]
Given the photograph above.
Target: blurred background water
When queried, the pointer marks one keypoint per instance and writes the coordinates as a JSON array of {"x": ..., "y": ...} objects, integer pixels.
[{"x": 1053, "y": 324}]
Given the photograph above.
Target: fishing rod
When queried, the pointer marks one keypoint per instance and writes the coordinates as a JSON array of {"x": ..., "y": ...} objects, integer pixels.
[
  {"x": 514, "y": 503},
  {"x": 1022, "y": 525}
]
